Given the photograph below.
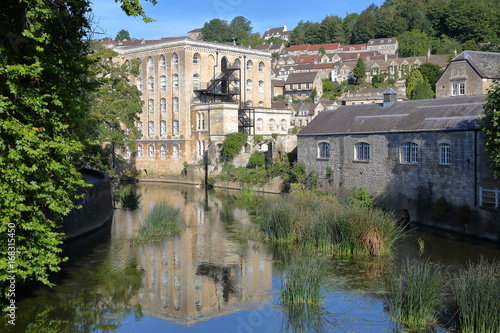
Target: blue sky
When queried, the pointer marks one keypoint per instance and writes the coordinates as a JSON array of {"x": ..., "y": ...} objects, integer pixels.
[{"x": 175, "y": 17}]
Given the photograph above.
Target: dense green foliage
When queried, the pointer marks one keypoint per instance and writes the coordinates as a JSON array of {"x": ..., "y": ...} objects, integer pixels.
[
  {"x": 359, "y": 71},
  {"x": 361, "y": 198},
  {"x": 162, "y": 220},
  {"x": 257, "y": 160},
  {"x": 440, "y": 25},
  {"x": 45, "y": 83},
  {"x": 239, "y": 29},
  {"x": 490, "y": 126},
  {"x": 232, "y": 145},
  {"x": 121, "y": 35}
]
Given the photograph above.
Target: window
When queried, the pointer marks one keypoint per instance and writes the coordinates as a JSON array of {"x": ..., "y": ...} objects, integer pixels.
[
  {"x": 139, "y": 62},
  {"x": 196, "y": 81},
  {"x": 163, "y": 151},
  {"x": 261, "y": 104},
  {"x": 151, "y": 106},
  {"x": 271, "y": 124},
  {"x": 249, "y": 65},
  {"x": 201, "y": 121},
  {"x": 139, "y": 84},
  {"x": 362, "y": 151},
  {"x": 163, "y": 127},
  {"x": 409, "y": 152},
  {"x": 139, "y": 126},
  {"x": 201, "y": 148},
  {"x": 175, "y": 152},
  {"x": 457, "y": 88},
  {"x": 283, "y": 125},
  {"x": 249, "y": 85},
  {"x": 163, "y": 105},
  {"x": 196, "y": 58},
  {"x": 249, "y": 103},
  {"x": 307, "y": 85},
  {"x": 175, "y": 127},
  {"x": 163, "y": 82},
  {"x": 151, "y": 151},
  {"x": 324, "y": 150},
  {"x": 151, "y": 128},
  {"x": 163, "y": 61},
  {"x": 150, "y": 63},
  {"x": 261, "y": 86},
  {"x": 261, "y": 66},
  {"x": 151, "y": 83},
  {"x": 259, "y": 124},
  {"x": 175, "y": 104},
  {"x": 444, "y": 154},
  {"x": 237, "y": 63},
  {"x": 127, "y": 152},
  {"x": 139, "y": 151},
  {"x": 175, "y": 59},
  {"x": 175, "y": 80}
]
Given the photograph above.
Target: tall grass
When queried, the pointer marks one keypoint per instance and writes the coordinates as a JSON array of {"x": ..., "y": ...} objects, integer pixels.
[
  {"x": 477, "y": 295},
  {"x": 128, "y": 198},
  {"x": 322, "y": 223},
  {"x": 416, "y": 288},
  {"x": 162, "y": 220}
]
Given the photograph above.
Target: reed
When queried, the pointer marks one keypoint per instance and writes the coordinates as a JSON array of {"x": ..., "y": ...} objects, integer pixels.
[
  {"x": 416, "y": 288},
  {"x": 476, "y": 291},
  {"x": 130, "y": 199},
  {"x": 162, "y": 220}
]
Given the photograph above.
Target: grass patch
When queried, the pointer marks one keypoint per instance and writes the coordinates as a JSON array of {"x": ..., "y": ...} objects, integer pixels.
[
  {"x": 163, "y": 220},
  {"x": 477, "y": 295},
  {"x": 417, "y": 287},
  {"x": 130, "y": 198}
]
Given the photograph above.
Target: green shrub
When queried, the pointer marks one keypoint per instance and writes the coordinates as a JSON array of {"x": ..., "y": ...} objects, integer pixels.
[
  {"x": 257, "y": 159},
  {"x": 312, "y": 180},
  {"x": 298, "y": 174},
  {"x": 231, "y": 146},
  {"x": 441, "y": 209},
  {"x": 211, "y": 181},
  {"x": 131, "y": 199},
  {"x": 361, "y": 198},
  {"x": 258, "y": 138}
]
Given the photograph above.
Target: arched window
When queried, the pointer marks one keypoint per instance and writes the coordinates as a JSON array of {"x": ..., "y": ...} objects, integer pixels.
[
  {"x": 249, "y": 103},
  {"x": 175, "y": 127},
  {"x": 249, "y": 85},
  {"x": 151, "y": 128},
  {"x": 196, "y": 58},
  {"x": 163, "y": 82},
  {"x": 323, "y": 150},
  {"x": 151, "y": 83},
  {"x": 362, "y": 150},
  {"x": 261, "y": 86},
  {"x": 175, "y": 58},
  {"x": 261, "y": 66},
  {"x": 151, "y": 151},
  {"x": 237, "y": 63},
  {"x": 201, "y": 148},
  {"x": 139, "y": 84},
  {"x": 150, "y": 63},
  {"x": 151, "y": 106},
  {"x": 163, "y": 105},
  {"x": 249, "y": 65},
  {"x": 259, "y": 124},
  {"x": 445, "y": 154},
  {"x": 163, "y": 61},
  {"x": 139, "y": 126},
  {"x": 409, "y": 152},
  {"x": 163, "y": 152},
  {"x": 139, "y": 151},
  {"x": 271, "y": 124},
  {"x": 196, "y": 81},
  {"x": 261, "y": 104},
  {"x": 175, "y": 81},
  {"x": 175, "y": 151},
  {"x": 163, "y": 128},
  {"x": 175, "y": 104},
  {"x": 283, "y": 124}
]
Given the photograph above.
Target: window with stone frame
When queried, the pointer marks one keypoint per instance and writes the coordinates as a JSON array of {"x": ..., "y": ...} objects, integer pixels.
[
  {"x": 163, "y": 105},
  {"x": 175, "y": 104},
  {"x": 151, "y": 106},
  {"x": 175, "y": 80},
  {"x": 196, "y": 58},
  {"x": 196, "y": 81},
  {"x": 151, "y": 128},
  {"x": 163, "y": 82},
  {"x": 445, "y": 154},
  {"x": 151, "y": 151},
  {"x": 458, "y": 88},
  {"x": 362, "y": 151},
  {"x": 175, "y": 59},
  {"x": 139, "y": 151},
  {"x": 175, "y": 127},
  {"x": 249, "y": 65},
  {"x": 259, "y": 124},
  {"x": 261, "y": 86},
  {"x": 261, "y": 66},
  {"x": 409, "y": 153},
  {"x": 151, "y": 83},
  {"x": 163, "y": 60},
  {"x": 271, "y": 125},
  {"x": 163, "y": 151},
  {"x": 163, "y": 128},
  {"x": 323, "y": 150},
  {"x": 175, "y": 152},
  {"x": 249, "y": 86}
]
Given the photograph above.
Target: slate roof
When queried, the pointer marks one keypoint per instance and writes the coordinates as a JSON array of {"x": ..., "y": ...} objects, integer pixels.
[
  {"x": 455, "y": 113},
  {"x": 486, "y": 64},
  {"x": 306, "y": 77}
]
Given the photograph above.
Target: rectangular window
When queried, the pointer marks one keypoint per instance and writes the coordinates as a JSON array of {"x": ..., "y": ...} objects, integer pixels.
[
  {"x": 362, "y": 151},
  {"x": 444, "y": 154},
  {"x": 324, "y": 150},
  {"x": 457, "y": 88},
  {"x": 409, "y": 152}
]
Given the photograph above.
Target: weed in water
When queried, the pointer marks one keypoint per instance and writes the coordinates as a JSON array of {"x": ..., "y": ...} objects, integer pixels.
[
  {"x": 163, "y": 220},
  {"x": 131, "y": 199}
]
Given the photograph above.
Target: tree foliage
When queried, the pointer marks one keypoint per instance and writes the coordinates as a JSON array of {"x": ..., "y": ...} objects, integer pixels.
[
  {"x": 490, "y": 125},
  {"x": 121, "y": 35},
  {"x": 240, "y": 29},
  {"x": 359, "y": 71},
  {"x": 232, "y": 145},
  {"x": 45, "y": 82}
]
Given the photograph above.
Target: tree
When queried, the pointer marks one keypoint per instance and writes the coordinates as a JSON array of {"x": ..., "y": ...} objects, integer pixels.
[
  {"x": 364, "y": 28},
  {"x": 422, "y": 91},
  {"x": 216, "y": 30},
  {"x": 431, "y": 73},
  {"x": 490, "y": 125},
  {"x": 241, "y": 28},
  {"x": 121, "y": 35},
  {"x": 359, "y": 71},
  {"x": 413, "y": 43},
  {"x": 45, "y": 81},
  {"x": 412, "y": 81},
  {"x": 331, "y": 30}
]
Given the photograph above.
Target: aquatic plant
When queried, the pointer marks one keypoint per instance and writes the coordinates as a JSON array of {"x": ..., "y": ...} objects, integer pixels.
[
  {"x": 416, "y": 289},
  {"x": 476, "y": 291},
  {"x": 361, "y": 198},
  {"x": 131, "y": 199},
  {"x": 163, "y": 219}
]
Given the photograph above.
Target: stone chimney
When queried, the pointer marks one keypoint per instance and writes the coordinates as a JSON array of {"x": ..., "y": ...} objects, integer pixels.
[
  {"x": 390, "y": 96},
  {"x": 285, "y": 28}
]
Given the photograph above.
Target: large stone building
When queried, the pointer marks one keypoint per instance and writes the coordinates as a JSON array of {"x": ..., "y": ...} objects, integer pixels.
[
  {"x": 406, "y": 154},
  {"x": 194, "y": 94}
]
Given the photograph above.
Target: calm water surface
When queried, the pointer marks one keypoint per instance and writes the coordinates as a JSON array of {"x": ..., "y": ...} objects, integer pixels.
[{"x": 213, "y": 277}]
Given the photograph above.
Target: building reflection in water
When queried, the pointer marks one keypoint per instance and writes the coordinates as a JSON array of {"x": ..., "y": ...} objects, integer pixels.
[{"x": 204, "y": 272}]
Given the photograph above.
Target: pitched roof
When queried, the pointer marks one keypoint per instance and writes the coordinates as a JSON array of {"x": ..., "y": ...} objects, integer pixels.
[
  {"x": 455, "y": 113},
  {"x": 327, "y": 47},
  {"x": 301, "y": 47},
  {"x": 307, "y": 59},
  {"x": 486, "y": 64},
  {"x": 305, "y": 77}
]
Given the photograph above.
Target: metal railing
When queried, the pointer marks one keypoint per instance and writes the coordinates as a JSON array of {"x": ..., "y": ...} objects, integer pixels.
[{"x": 489, "y": 198}]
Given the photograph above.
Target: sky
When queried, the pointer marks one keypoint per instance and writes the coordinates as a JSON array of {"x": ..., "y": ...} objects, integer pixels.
[{"x": 174, "y": 18}]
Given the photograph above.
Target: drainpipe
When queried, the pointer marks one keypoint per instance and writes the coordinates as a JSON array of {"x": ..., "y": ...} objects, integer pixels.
[{"x": 476, "y": 132}]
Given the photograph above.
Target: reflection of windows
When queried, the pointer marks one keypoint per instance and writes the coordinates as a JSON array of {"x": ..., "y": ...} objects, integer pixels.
[
  {"x": 324, "y": 150},
  {"x": 151, "y": 128},
  {"x": 409, "y": 152},
  {"x": 362, "y": 151},
  {"x": 151, "y": 151},
  {"x": 163, "y": 151},
  {"x": 175, "y": 127},
  {"x": 444, "y": 154}
]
